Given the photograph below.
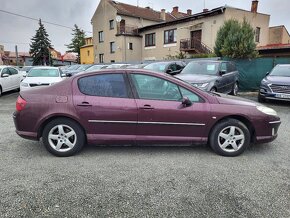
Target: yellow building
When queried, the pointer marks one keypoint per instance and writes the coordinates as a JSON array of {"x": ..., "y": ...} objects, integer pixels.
[{"x": 87, "y": 51}]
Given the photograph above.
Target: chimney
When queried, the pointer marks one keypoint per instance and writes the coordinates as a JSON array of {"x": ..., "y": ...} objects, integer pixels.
[
  {"x": 205, "y": 10},
  {"x": 162, "y": 14},
  {"x": 189, "y": 11},
  {"x": 175, "y": 9},
  {"x": 254, "y": 8}
]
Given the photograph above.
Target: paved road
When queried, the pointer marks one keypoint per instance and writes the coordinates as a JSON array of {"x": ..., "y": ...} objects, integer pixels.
[{"x": 142, "y": 181}]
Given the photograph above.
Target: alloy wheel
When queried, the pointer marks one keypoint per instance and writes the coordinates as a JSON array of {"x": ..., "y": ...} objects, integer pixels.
[{"x": 231, "y": 139}]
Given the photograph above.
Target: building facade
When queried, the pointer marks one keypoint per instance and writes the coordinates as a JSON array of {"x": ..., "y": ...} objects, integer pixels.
[
  {"x": 126, "y": 33},
  {"x": 87, "y": 51}
]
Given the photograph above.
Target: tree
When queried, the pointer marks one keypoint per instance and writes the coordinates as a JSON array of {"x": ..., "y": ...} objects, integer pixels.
[
  {"x": 77, "y": 42},
  {"x": 39, "y": 47},
  {"x": 236, "y": 40}
]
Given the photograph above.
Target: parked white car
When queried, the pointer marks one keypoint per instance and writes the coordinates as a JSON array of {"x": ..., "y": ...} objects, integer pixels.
[
  {"x": 41, "y": 76},
  {"x": 10, "y": 79}
]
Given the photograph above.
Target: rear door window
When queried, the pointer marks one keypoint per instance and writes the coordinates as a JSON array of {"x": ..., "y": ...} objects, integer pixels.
[{"x": 104, "y": 85}]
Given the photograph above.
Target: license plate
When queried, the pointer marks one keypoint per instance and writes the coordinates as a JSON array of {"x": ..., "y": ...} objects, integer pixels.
[{"x": 282, "y": 96}]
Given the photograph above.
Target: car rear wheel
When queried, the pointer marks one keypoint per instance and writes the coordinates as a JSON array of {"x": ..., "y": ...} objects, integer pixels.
[
  {"x": 230, "y": 138},
  {"x": 63, "y": 137},
  {"x": 235, "y": 89}
]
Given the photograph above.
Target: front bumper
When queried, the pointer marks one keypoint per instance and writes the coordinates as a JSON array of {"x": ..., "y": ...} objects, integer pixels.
[
  {"x": 271, "y": 132},
  {"x": 266, "y": 93}
]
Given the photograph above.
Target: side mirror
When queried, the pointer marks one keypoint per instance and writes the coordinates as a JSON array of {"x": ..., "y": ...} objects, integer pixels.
[
  {"x": 222, "y": 72},
  {"x": 169, "y": 71},
  {"x": 267, "y": 74},
  {"x": 186, "y": 102},
  {"x": 5, "y": 75},
  {"x": 63, "y": 75}
]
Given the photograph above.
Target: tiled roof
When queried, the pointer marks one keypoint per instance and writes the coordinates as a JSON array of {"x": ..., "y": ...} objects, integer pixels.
[
  {"x": 12, "y": 54},
  {"x": 145, "y": 13},
  {"x": 273, "y": 46}
]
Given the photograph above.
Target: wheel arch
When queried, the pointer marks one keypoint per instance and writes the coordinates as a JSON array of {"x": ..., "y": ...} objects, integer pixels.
[
  {"x": 240, "y": 118},
  {"x": 54, "y": 117}
]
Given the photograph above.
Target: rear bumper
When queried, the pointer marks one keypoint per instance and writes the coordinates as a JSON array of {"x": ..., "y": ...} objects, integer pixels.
[{"x": 23, "y": 134}]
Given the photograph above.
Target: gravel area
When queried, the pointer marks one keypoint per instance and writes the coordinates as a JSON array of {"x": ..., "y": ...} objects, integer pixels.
[{"x": 118, "y": 181}]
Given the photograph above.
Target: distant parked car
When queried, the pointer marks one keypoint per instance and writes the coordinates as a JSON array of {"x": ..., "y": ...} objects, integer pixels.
[
  {"x": 117, "y": 66},
  {"x": 10, "y": 79},
  {"x": 41, "y": 76},
  {"x": 24, "y": 70},
  {"x": 80, "y": 68},
  {"x": 276, "y": 84},
  {"x": 138, "y": 106},
  {"x": 96, "y": 67},
  {"x": 137, "y": 66},
  {"x": 169, "y": 67},
  {"x": 216, "y": 76}
]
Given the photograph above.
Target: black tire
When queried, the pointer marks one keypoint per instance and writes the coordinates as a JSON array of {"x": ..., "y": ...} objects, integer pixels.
[
  {"x": 65, "y": 134},
  {"x": 261, "y": 99},
  {"x": 235, "y": 89},
  {"x": 229, "y": 137}
]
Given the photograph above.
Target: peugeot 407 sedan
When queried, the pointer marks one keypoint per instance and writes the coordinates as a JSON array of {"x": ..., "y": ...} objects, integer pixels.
[{"x": 139, "y": 107}]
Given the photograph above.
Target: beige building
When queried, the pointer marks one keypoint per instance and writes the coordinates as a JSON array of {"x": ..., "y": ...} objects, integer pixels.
[
  {"x": 1, "y": 54},
  {"x": 126, "y": 33},
  {"x": 278, "y": 35}
]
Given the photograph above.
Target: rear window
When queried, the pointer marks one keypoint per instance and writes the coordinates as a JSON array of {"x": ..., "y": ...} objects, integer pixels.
[{"x": 104, "y": 85}]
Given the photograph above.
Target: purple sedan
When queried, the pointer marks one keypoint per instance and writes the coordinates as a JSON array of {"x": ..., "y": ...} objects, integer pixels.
[{"x": 139, "y": 107}]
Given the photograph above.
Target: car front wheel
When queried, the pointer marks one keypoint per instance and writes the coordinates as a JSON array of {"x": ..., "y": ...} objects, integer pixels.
[
  {"x": 230, "y": 138},
  {"x": 63, "y": 137}
]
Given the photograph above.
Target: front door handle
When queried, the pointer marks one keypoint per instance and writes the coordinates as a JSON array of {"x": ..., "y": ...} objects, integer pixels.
[
  {"x": 147, "y": 107},
  {"x": 84, "y": 104}
]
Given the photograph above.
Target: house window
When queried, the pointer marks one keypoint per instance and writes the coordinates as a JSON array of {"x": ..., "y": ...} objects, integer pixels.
[
  {"x": 257, "y": 36},
  {"x": 112, "y": 47},
  {"x": 101, "y": 36},
  {"x": 88, "y": 52},
  {"x": 112, "y": 61},
  {"x": 101, "y": 58},
  {"x": 150, "y": 39},
  {"x": 170, "y": 36},
  {"x": 111, "y": 22},
  {"x": 130, "y": 46}
]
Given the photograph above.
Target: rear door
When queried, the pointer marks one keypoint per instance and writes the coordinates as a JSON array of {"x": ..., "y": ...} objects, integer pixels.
[{"x": 105, "y": 104}]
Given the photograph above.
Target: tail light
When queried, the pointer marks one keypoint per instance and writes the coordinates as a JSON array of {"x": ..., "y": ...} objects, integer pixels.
[{"x": 20, "y": 103}]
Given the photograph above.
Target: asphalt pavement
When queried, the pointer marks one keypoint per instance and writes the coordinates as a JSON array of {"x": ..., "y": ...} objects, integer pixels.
[{"x": 118, "y": 181}]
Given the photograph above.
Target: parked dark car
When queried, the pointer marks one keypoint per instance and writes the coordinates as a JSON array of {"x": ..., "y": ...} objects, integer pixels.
[
  {"x": 169, "y": 67},
  {"x": 137, "y": 106},
  {"x": 216, "y": 76},
  {"x": 276, "y": 84}
]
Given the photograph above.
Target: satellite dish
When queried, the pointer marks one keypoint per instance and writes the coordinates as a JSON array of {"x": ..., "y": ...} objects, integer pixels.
[{"x": 118, "y": 18}]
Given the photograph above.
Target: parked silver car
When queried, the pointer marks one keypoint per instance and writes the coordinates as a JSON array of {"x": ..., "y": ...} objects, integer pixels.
[{"x": 208, "y": 75}]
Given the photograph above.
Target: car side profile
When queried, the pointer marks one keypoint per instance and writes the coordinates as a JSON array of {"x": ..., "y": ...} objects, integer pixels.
[
  {"x": 123, "y": 106},
  {"x": 10, "y": 79},
  {"x": 276, "y": 84},
  {"x": 217, "y": 76}
]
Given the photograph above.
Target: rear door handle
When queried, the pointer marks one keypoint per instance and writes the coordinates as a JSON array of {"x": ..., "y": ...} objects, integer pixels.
[
  {"x": 147, "y": 107},
  {"x": 84, "y": 104}
]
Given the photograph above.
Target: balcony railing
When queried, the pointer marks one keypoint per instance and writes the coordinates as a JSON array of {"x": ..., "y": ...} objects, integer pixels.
[
  {"x": 127, "y": 29},
  {"x": 194, "y": 45}
]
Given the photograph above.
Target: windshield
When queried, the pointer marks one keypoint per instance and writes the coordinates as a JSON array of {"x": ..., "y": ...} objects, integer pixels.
[
  {"x": 95, "y": 67},
  {"x": 159, "y": 67},
  {"x": 207, "y": 68},
  {"x": 281, "y": 70},
  {"x": 43, "y": 73},
  {"x": 84, "y": 67},
  {"x": 26, "y": 68},
  {"x": 73, "y": 67}
]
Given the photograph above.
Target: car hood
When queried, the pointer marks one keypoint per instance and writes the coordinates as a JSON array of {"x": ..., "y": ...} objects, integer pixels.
[
  {"x": 42, "y": 79},
  {"x": 234, "y": 100},
  {"x": 282, "y": 80},
  {"x": 197, "y": 78}
]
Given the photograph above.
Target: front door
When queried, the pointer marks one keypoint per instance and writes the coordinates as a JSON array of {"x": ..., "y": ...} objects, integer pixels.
[
  {"x": 161, "y": 115},
  {"x": 105, "y": 105},
  {"x": 196, "y": 34}
]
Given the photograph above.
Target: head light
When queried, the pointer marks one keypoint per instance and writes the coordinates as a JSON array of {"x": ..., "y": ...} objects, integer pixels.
[{"x": 267, "y": 110}]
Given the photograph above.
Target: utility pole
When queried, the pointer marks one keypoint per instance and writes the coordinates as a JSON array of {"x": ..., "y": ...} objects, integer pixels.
[{"x": 16, "y": 54}]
